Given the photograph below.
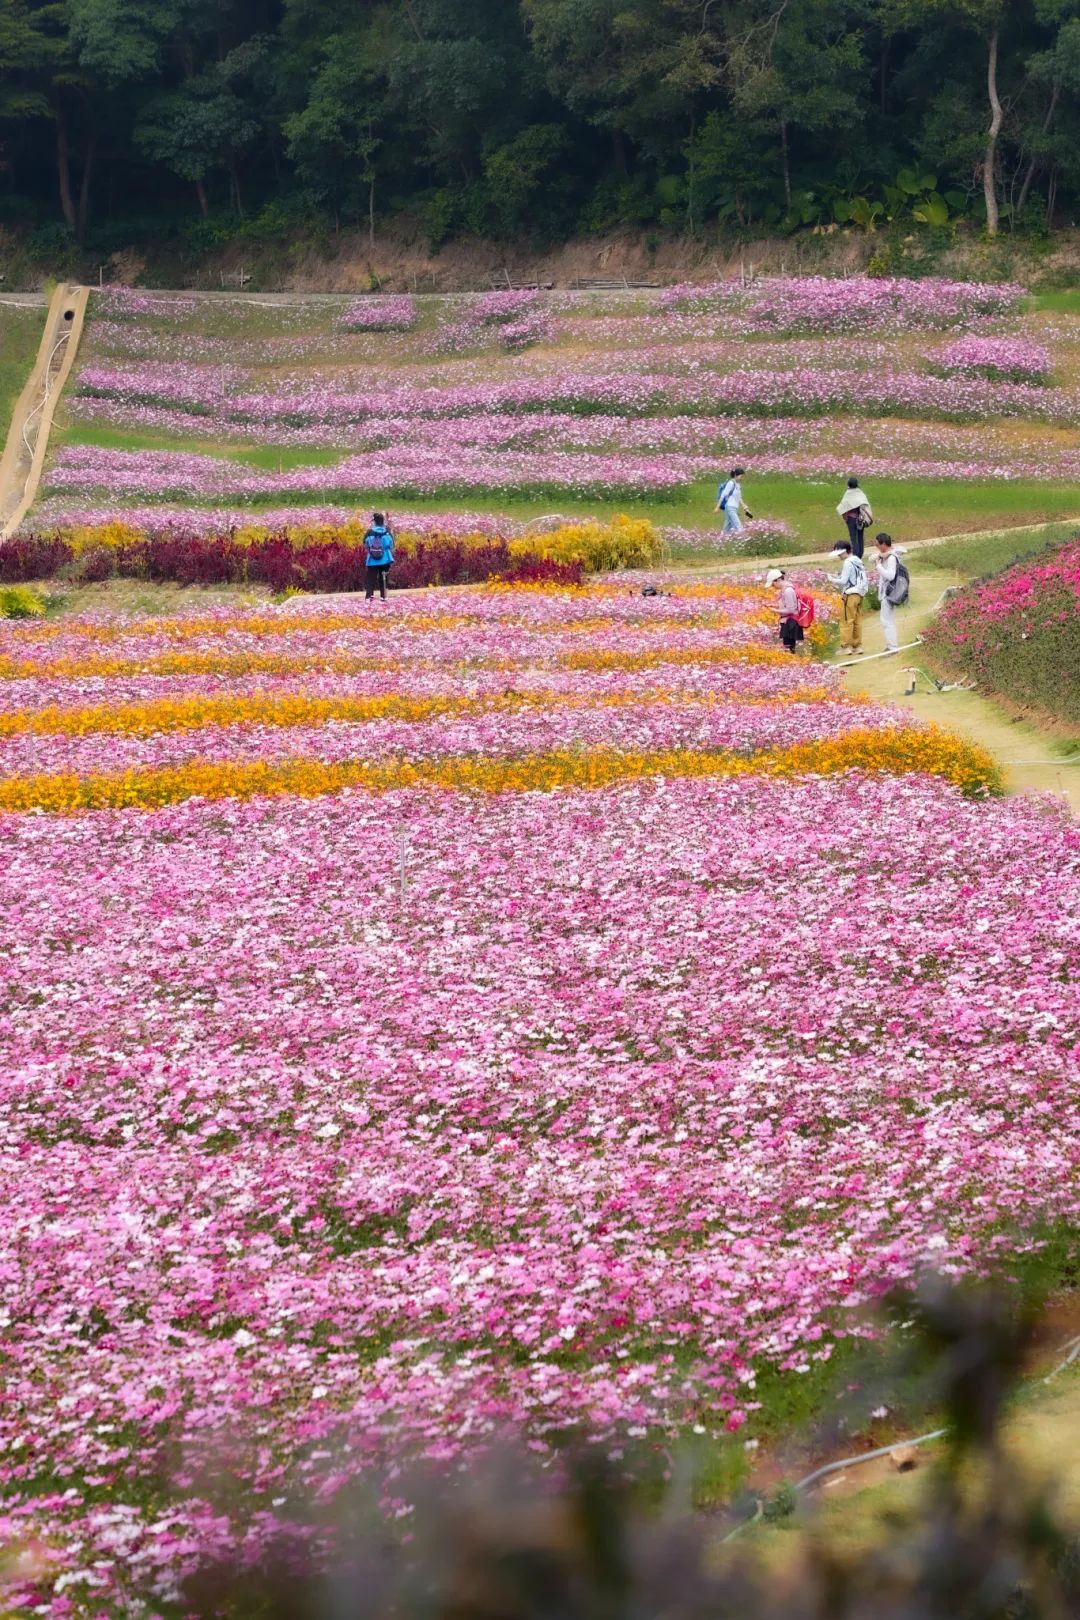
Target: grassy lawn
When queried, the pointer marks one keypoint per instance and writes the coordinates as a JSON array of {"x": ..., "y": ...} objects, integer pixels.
[
  {"x": 268, "y": 457},
  {"x": 21, "y": 327},
  {"x": 1057, "y": 300},
  {"x": 911, "y": 509},
  {"x": 991, "y": 553}
]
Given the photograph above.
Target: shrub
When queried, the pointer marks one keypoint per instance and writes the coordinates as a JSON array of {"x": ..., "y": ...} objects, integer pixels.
[
  {"x": 325, "y": 557},
  {"x": 596, "y": 547},
  {"x": 34, "y": 556},
  {"x": 543, "y": 571},
  {"x": 1003, "y": 359},
  {"x": 515, "y": 319},
  {"x": 1018, "y": 632},
  {"x": 759, "y": 537},
  {"x": 20, "y": 602},
  {"x": 380, "y": 314}
]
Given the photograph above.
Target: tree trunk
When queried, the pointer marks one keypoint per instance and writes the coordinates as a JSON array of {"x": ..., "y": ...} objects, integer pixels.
[
  {"x": 1055, "y": 94},
  {"x": 84, "y": 188},
  {"x": 993, "y": 218},
  {"x": 200, "y": 192},
  {"x": 234, "y": 188},
  {"x": 786, "y": 161},
  {"x": 883, "y": 74},
  {"x": 63, "y": 169},
  {"x": 618, "y": 152}
]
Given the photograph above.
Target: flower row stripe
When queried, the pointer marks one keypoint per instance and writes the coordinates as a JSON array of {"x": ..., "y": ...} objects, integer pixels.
[
  {"x": 929, "y": 752},
  {"x": 263, "y": 625},
  {"x": 251, "y": 663},
  {"x": 298, "y": 709}
]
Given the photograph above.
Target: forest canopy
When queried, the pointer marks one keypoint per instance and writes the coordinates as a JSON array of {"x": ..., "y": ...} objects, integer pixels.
[{"x": 536, "y": 118}]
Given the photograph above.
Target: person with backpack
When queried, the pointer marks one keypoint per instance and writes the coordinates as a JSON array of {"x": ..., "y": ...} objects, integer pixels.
[
  {"x": 796, "y": 609},
  {"x": 855, "y": 510},
  {"x": 894, "y": 586},
  {"x": 853, "y": 585},
  {"x": 729, "y": 501},
  {"x": 379, "y": 553}
]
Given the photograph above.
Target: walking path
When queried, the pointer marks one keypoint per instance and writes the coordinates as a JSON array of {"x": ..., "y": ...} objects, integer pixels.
[
  {"x": 1028, "y": 754},
  {"x": 31, "y": 421}
]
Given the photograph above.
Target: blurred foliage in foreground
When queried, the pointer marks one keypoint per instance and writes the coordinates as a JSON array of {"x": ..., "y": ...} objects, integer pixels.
[{"x": 502, "y": 1546}]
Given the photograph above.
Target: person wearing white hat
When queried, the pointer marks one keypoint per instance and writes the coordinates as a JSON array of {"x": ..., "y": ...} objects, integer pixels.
[
  {"x": 787, "y": 606},
  {"x": 853, "y": 585}
]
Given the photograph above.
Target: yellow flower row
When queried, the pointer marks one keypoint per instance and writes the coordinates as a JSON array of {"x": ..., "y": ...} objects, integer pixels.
[
  {"x": 251, "y": 663},
  {"x": 929, "y": 751},
  {"x": 299, "y": 709}
]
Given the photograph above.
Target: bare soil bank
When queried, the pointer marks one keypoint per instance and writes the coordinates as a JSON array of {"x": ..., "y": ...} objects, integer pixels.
[{"x": 400, "y": 261}]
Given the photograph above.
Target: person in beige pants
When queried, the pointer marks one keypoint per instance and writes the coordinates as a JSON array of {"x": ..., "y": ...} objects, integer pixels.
[{"x": 852, "y": 584}]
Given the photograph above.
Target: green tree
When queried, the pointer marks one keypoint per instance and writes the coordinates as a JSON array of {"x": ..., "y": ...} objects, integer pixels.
[
  {"x": 985, "y": 19},
  {"x": 210, "y": 121},
  {"x": 802, "y": 68},
  {"x": 342, "y": 134}
]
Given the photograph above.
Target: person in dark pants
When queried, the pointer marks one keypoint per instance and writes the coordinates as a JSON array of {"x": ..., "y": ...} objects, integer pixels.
[
  {"x": 379, "y": 552},
  {"x": 855, "y": 510}
]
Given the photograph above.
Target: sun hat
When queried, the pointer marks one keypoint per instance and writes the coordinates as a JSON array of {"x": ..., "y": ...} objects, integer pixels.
[{"x": 773, "y": 575}]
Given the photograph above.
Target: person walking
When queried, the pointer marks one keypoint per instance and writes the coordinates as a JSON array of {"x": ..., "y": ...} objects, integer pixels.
[
  {"x": 729, "y": 500},
  {"x": 379, "y": 552},
  {"x": 787, "y": 606},
  {"x": 853, "y": 585},
  {"x": 891, "y": 579},
  {"x": 856, "y": 512}
]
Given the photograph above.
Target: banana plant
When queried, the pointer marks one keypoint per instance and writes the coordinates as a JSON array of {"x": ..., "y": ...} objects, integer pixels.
[
  {"x": 860, "y": 211},
  {"x": 931, "y": 210}
]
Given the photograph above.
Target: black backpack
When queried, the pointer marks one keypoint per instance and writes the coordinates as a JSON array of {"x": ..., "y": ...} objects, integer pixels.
[{"x": 899, "y": 589}]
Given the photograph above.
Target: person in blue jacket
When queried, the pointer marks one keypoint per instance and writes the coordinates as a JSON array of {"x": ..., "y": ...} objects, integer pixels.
[{"x": 379, "y": 551}]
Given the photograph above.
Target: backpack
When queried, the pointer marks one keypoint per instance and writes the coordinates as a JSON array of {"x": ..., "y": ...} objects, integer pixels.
[
  {"x": 805, "y": 612},
  {"x": 899, "y": 589},
  {"x": 376, "y": 545},
  {"x": 726, "y": 493},
  {"x": 863, "y": 520},
  {"x": 860, "y": 585}
]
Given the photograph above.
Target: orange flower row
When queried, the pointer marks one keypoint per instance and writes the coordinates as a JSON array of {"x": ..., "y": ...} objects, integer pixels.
[{"x": 930, "y": 752}]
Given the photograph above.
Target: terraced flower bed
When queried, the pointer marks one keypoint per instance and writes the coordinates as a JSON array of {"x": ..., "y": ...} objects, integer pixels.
[
  {"x": 518, "y": 401},
  {"x": 549, "y": 1009}
]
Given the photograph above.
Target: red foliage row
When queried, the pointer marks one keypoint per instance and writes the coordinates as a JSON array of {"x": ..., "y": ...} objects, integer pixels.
[{"x": 277, "y": 561}]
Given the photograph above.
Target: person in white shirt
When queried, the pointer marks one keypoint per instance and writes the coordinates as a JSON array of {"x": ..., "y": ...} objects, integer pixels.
[
  {"x": 787, "y": 606},
  {"x": 886, "y": 575},
  {"x": 856, "y": 512},
  {"x": 853, "y": 585},
  {"x": 729, "y": 501}
]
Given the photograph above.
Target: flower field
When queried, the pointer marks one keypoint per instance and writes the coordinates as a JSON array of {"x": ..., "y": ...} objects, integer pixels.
[
  {"x": 498, "y": 1008},
  {"x": 589, "y": 402},
  {"x": 1018, "y": 633}
]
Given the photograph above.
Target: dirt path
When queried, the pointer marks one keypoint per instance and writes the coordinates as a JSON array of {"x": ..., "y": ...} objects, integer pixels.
[
  {"x": 31, "y": 421},
  {"x": 1017, "y": 745},
  {"x": 855, "y": 1511},
  {"x": 1032, "y": 759}
]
